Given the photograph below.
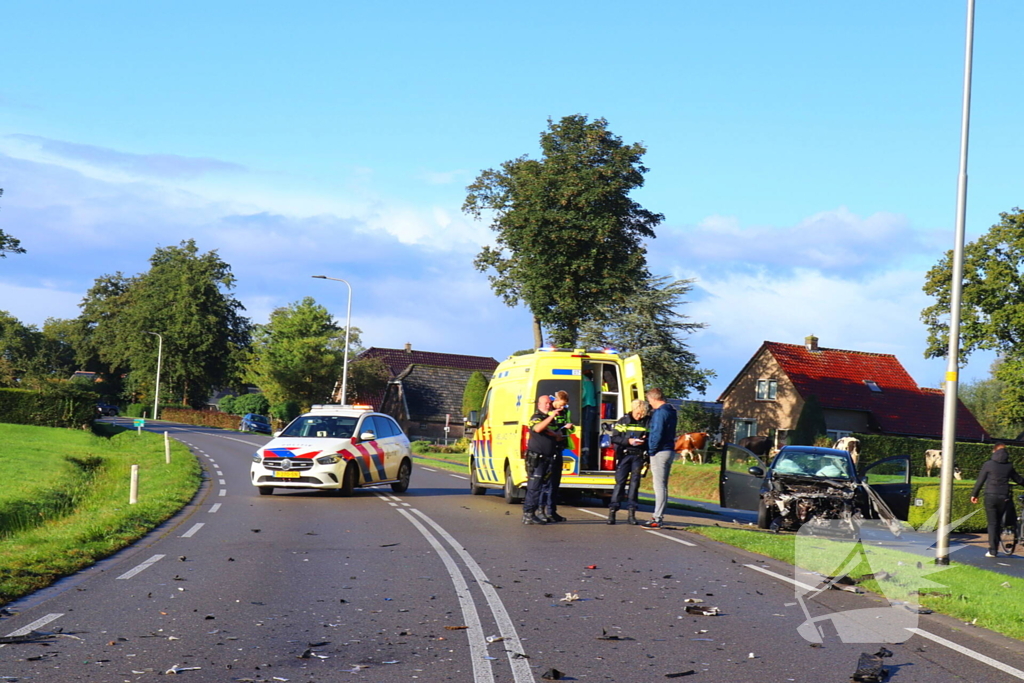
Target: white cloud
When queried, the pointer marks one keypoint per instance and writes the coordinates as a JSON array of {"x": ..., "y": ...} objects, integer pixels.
[{"x": 33, "y": 305}]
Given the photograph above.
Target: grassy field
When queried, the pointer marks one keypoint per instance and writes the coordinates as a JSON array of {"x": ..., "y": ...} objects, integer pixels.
[
  {"x": 966, "y": 593},
  {"x": 71, "y": 505}
]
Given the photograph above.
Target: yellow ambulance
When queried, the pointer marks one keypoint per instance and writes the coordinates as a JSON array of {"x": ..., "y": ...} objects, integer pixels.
[{"x": 498, "y": 458}]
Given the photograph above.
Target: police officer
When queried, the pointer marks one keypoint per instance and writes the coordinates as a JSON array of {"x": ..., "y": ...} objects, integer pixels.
[
  {"x": 562, "y": 426},
  {"x": 541, "y": 450},
  {"x": 630, "y": 436}
]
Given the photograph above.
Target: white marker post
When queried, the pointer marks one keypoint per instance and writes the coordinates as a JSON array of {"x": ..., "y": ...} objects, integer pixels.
[
  {"x": 167, "y": 448},
  {"x": 133, "y": 491}
]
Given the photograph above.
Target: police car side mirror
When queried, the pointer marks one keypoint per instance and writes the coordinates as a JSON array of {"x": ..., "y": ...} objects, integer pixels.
[
  {"x": 367, "y": 436},
  {"x": 277, "y": 434},
  {"x": 474, "y": 419}
]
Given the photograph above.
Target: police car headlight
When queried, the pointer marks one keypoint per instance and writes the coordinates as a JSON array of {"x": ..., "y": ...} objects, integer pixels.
[
  {"x": 328, "y": 460},
  {"x": 256, "y": 457}
]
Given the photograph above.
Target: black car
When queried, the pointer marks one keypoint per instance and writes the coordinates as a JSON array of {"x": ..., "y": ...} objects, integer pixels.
[
  {"x": 805, "y": 483},
  {"x": 106, "y": 410},
  {"x": 251, "y": 422}
]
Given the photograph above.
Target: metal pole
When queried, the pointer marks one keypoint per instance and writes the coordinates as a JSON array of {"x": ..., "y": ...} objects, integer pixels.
[
  {"x": 953, "y": 353},
  {"x": 348, "y": 329},
  {"x": 159, "y": 361}
]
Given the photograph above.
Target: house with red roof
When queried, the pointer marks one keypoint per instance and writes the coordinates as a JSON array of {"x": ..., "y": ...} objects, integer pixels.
[
  {"x": 424, "y": 391},
  {"x": 859, "y": 392}
]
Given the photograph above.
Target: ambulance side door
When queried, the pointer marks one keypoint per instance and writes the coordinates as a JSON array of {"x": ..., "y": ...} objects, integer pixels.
[{"x": 632, "y": 381}]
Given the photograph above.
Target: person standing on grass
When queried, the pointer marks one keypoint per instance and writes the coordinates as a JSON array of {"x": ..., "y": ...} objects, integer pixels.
[
  {"x": 661, "y": 449},
  {"x": 995, "y": 476}
]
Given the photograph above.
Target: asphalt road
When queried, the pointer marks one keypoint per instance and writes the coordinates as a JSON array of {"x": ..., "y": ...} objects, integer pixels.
[{"x": 439, "y": 585}]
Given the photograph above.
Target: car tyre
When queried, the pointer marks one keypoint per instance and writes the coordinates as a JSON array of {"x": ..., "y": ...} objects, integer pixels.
[
  {"x": 512, "y": 492},
  {"x": 348, "y": 482},
  {"x": 404, "y": 473},
  {"x": 763, "y": 522},
  {"x": 266, "y": 490},
  {"x": 474, "y": 485}
]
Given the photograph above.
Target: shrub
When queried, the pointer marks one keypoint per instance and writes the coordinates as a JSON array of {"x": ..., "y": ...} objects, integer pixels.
[
  {"x": 227, "y": 405},
  {"x": 473, "y": 395},
  {"x": 929, "y": 494},
  {"x": 134, "y": 410},
  {"x": 286, "y": 412},
  {"x": 55, "y": 404},
  {"x": 204, "y": 418},
  {"x": 251, "y": 403}
]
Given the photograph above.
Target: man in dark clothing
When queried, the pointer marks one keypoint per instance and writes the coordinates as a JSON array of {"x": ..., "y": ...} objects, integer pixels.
[
  {"x": 630, "y": 437},
  {"x": 541, "y": 450},
  {"x": 995, "y": 475}
]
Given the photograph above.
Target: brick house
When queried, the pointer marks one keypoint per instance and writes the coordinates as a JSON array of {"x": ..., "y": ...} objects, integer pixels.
[
  {"x": 859, "y": 392},
  {"x": 425, "y": 388}
]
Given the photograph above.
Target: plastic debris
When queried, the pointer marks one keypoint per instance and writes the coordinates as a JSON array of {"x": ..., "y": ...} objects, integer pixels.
[
  {"x": 693, "y": 600},
  {"x": 751, "y": 656},
  {"x": 591, "y": 566},
  {"x": 1005, "y": 584},
  {"x": 702, "y": 611},
  {"x": 570, "y": 597},
  {"x": 495, "y": 639},
  {"x": 178, "y": 669},
  {"x": 690, "y": 672},
  {"x": 552, "y": 675},
  {"x": 870, "y": 669}
]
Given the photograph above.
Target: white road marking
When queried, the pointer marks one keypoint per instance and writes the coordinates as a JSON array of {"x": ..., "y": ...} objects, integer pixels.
[
  {"x": 482, "y": 671},
  {"x": 671, "y": 538},
  {"x": 798, "y": 584},
  {"x": 222, "y": 482},
  {"x": 1006, "y": 668},
  {"x": 394, "y": 505},
  {"x": 591, "y": 512},
  {"x": 458, "y": 476},
  {"x": 193, "y": 530},
  {"x": 215, "y": 507},
  {"x": 40, "y": 622},
  {"x": 406, "y": 505},
  {"x": 145, "y": 565},
  {"x": 520, "y": 668},
  {"x": 427, "y": 469},
  {"x": 394, "y": 498},
  {"x": 219, "y": 473},
  {"x": 223, "y": 492}
]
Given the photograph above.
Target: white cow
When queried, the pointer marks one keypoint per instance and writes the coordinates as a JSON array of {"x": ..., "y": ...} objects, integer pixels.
[
  {"x": 933, "y": 460},
  {"x": 850, "y": 445}
]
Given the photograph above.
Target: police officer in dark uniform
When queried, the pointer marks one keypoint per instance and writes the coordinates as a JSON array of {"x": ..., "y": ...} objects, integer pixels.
[
  {"x": 630, "y": 438},
  {"x": 562, "y": 426},
  {"x": 542, "y": 450}
]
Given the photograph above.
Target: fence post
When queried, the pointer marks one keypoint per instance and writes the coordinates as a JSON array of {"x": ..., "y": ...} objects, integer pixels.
[
  {"x": 133, "y": 492},
  {"x": 167, "y": 449}
]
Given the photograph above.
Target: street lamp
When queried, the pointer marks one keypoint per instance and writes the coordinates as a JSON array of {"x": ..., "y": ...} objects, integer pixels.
[
  {"x": 348, "y": 327},
  {"x": 159, "y": 360}
]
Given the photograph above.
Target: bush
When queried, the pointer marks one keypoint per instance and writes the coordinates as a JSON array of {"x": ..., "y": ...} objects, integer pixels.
[
  {"x": 251, "y": 403},
  {"x": 929, "y": 494},
  {"x": 227, "y": 405},
  {"x": 55, "y": 404},
  {"x": 134, "y": 410},
  {"x": 285, "y": 412},
  {"x": 473, "y": 395},
  {"x": 203, "y": 418}
]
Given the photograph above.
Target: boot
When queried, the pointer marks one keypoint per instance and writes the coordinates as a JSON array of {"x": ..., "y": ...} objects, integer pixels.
[
  {"x": 544, "y": 517},
  {"x": 532, "y": 518},
  {"x": 555, "y": 517},
  {"x": 632, "y": 518},
  {"x": 611, "y": 516}
]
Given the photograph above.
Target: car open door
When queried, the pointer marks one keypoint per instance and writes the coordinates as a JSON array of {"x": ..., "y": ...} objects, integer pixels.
[
  {"x": 890, "y": 479},
  {"x": 737, "y": 487},
  {"x": 633, "y": 381}
]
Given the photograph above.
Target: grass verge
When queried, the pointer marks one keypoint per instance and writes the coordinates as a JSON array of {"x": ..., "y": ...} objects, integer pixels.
[
  {"x": 967, "y": 593},
  {"x": 95, "y": 519}
]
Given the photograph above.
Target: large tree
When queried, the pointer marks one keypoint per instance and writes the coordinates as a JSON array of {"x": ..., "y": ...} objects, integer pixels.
[
  {"x": 9, "y": 244},
  {"x": 992, "y": 310},
  {"x": 648, "y": 323},
  {"x": 19, "y": 344},
  {"x": 298, "y": 355},
  {"x": 185, "y": 297},
  {"x": 569, "y": 238}
]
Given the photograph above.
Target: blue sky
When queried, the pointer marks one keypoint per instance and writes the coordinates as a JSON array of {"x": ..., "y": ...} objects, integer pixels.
[{"x": 804, "y": 153}]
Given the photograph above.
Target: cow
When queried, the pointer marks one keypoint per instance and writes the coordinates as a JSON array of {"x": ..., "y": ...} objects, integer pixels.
[
  {"x": 758, "y": 445},
  {"x": 850, "y": 445},
  {"x": 933, "y": 460},
  {"x": 692, "y": 446}
]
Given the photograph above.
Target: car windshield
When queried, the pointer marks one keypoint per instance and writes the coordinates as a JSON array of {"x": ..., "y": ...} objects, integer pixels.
[
  {"x": 322, "y": 427},
  {"x": 805, "y": 464},
  {"x": 259, "y": 418}
]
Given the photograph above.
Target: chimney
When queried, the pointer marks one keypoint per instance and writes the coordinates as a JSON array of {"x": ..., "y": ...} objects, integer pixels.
[
  {"x": 811, "y": 343},
  {"x": 408, "y": 347}
]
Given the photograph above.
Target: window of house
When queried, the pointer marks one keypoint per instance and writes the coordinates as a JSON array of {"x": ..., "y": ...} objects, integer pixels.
[
  {"x": 744, "y": 427},
  {"x": 836, "y": 434},
  {"x": 873, "y": 385},
  {"x": 766, "y": 389}
]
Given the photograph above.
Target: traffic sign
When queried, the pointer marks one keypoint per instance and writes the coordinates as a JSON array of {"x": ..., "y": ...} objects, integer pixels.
[{"x": 139, "y": 423}]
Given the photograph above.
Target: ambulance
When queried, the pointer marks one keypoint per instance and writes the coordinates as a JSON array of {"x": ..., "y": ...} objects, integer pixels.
[{"x": 498, "y": 456}]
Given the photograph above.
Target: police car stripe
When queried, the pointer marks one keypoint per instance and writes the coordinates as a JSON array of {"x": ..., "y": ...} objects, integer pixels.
[{"x": 360, "y": 461}]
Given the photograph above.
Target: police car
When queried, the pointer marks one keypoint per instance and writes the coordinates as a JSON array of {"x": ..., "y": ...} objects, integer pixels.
[{"x": 336, "y": 447}]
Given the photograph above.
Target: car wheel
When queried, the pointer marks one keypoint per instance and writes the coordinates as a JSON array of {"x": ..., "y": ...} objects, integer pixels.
[
  {"x": 266, "y": 490},
  {"x": 404, "y": 472},
  {"x": 763, "y": 522},
  {"x": 348, "y": 481},
  {"x": 512, "y": 495},
  {"x": 474, "y": 485}
]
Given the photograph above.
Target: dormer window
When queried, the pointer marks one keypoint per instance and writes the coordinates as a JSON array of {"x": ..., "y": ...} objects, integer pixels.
[
  {"x": 873, "y": 386},
  {"x": 766, "y": 389}
]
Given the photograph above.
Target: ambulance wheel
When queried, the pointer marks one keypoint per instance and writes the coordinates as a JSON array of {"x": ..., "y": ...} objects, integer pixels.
[
  {"x": 512, "y": 496},
  {"x": 474, "y": 485},
  {"x": 404, "y": 472},
  {"x": 266, "y": 490},
  {"x": 762, "y": 515},
  {"x": 348, "y": 482}
]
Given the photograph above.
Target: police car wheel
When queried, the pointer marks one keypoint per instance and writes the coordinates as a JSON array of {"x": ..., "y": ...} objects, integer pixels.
[
  {"x": 404, "y": 472},
  {"x": 474, "y": 485},
  {"x": 266, "y": 490},
  {"x": 348, "y": 482}
]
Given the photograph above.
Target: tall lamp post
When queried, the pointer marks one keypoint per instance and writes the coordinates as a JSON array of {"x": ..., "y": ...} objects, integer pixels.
[
  {"x": 348, "y": 327},
  {"x": 159, "y": 361}
]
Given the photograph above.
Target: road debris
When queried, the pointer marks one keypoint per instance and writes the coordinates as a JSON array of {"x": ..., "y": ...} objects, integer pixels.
[
  {"x": 178, "y": 669},
  {"x": 591, "y": 566},
  {"x": 605, "y": 636},
  {"x": 870, "y": 669},
  {"x": 455, "y": 628},
  {"x": 693, "y": 600},
  {"x": 689, "y": 672},
  {"x": 494, "y": 639},
  {"x": 570, "y": 597},
  {"x": 390, "y": 545},
  {"x": 552, "y": 675},
  {"x": 702, "y": 611}
]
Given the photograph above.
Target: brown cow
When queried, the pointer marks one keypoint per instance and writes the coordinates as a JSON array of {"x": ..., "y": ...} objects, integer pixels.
[{"x": 692, "y": 446}]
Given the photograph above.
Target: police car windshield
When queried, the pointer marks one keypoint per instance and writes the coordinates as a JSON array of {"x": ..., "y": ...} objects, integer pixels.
[{"x": 322, "y": 427}]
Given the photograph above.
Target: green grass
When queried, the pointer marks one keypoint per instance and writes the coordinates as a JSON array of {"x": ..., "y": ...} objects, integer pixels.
[
  {"x": 88, "y": 477},
  {"x": 960, "y": 591}
]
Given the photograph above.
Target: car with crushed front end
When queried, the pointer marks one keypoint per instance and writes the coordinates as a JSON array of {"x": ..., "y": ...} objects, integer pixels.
[
  {"x": 809, "y": 485},
  {"x": 337, "y": 448}
]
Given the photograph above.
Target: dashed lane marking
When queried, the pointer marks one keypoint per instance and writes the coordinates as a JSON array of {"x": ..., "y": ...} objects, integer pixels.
[
  {"x": 215, "y": 507},
  {"x": 780, "y": 577},
  {"x": 458, "y": 476},
  {"x": 956, "y": 647},
  {"x": 223, "y": 492},
  {"x": 222, "y": 482},
  {"x": 145, "y": 565},
  {"x": 671, "y": 538},
  {"x": 591, "y": 512},
  {"x": 38, "y": 623},
  {"x": 191, "y": 532},
  {"x": 428, "y": 469}
]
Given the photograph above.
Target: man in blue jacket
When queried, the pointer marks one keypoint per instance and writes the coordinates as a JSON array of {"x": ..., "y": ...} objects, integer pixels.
[{"x": 661, "y": 448}]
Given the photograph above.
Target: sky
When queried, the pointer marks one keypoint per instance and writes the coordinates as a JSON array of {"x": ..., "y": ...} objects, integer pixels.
[{"x": 804, "y": 154}]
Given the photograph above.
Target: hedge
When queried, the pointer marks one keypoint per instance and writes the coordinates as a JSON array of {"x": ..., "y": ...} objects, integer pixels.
[
  {"x": 929, "y": 495},
  {"x": 969, "y": 457},
  {"x": 204, "y": 418},
  {"x": 57, "y": 404}
]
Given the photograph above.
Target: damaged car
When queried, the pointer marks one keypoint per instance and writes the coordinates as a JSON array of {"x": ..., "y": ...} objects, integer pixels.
[{"x": 807, "y": 484}]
